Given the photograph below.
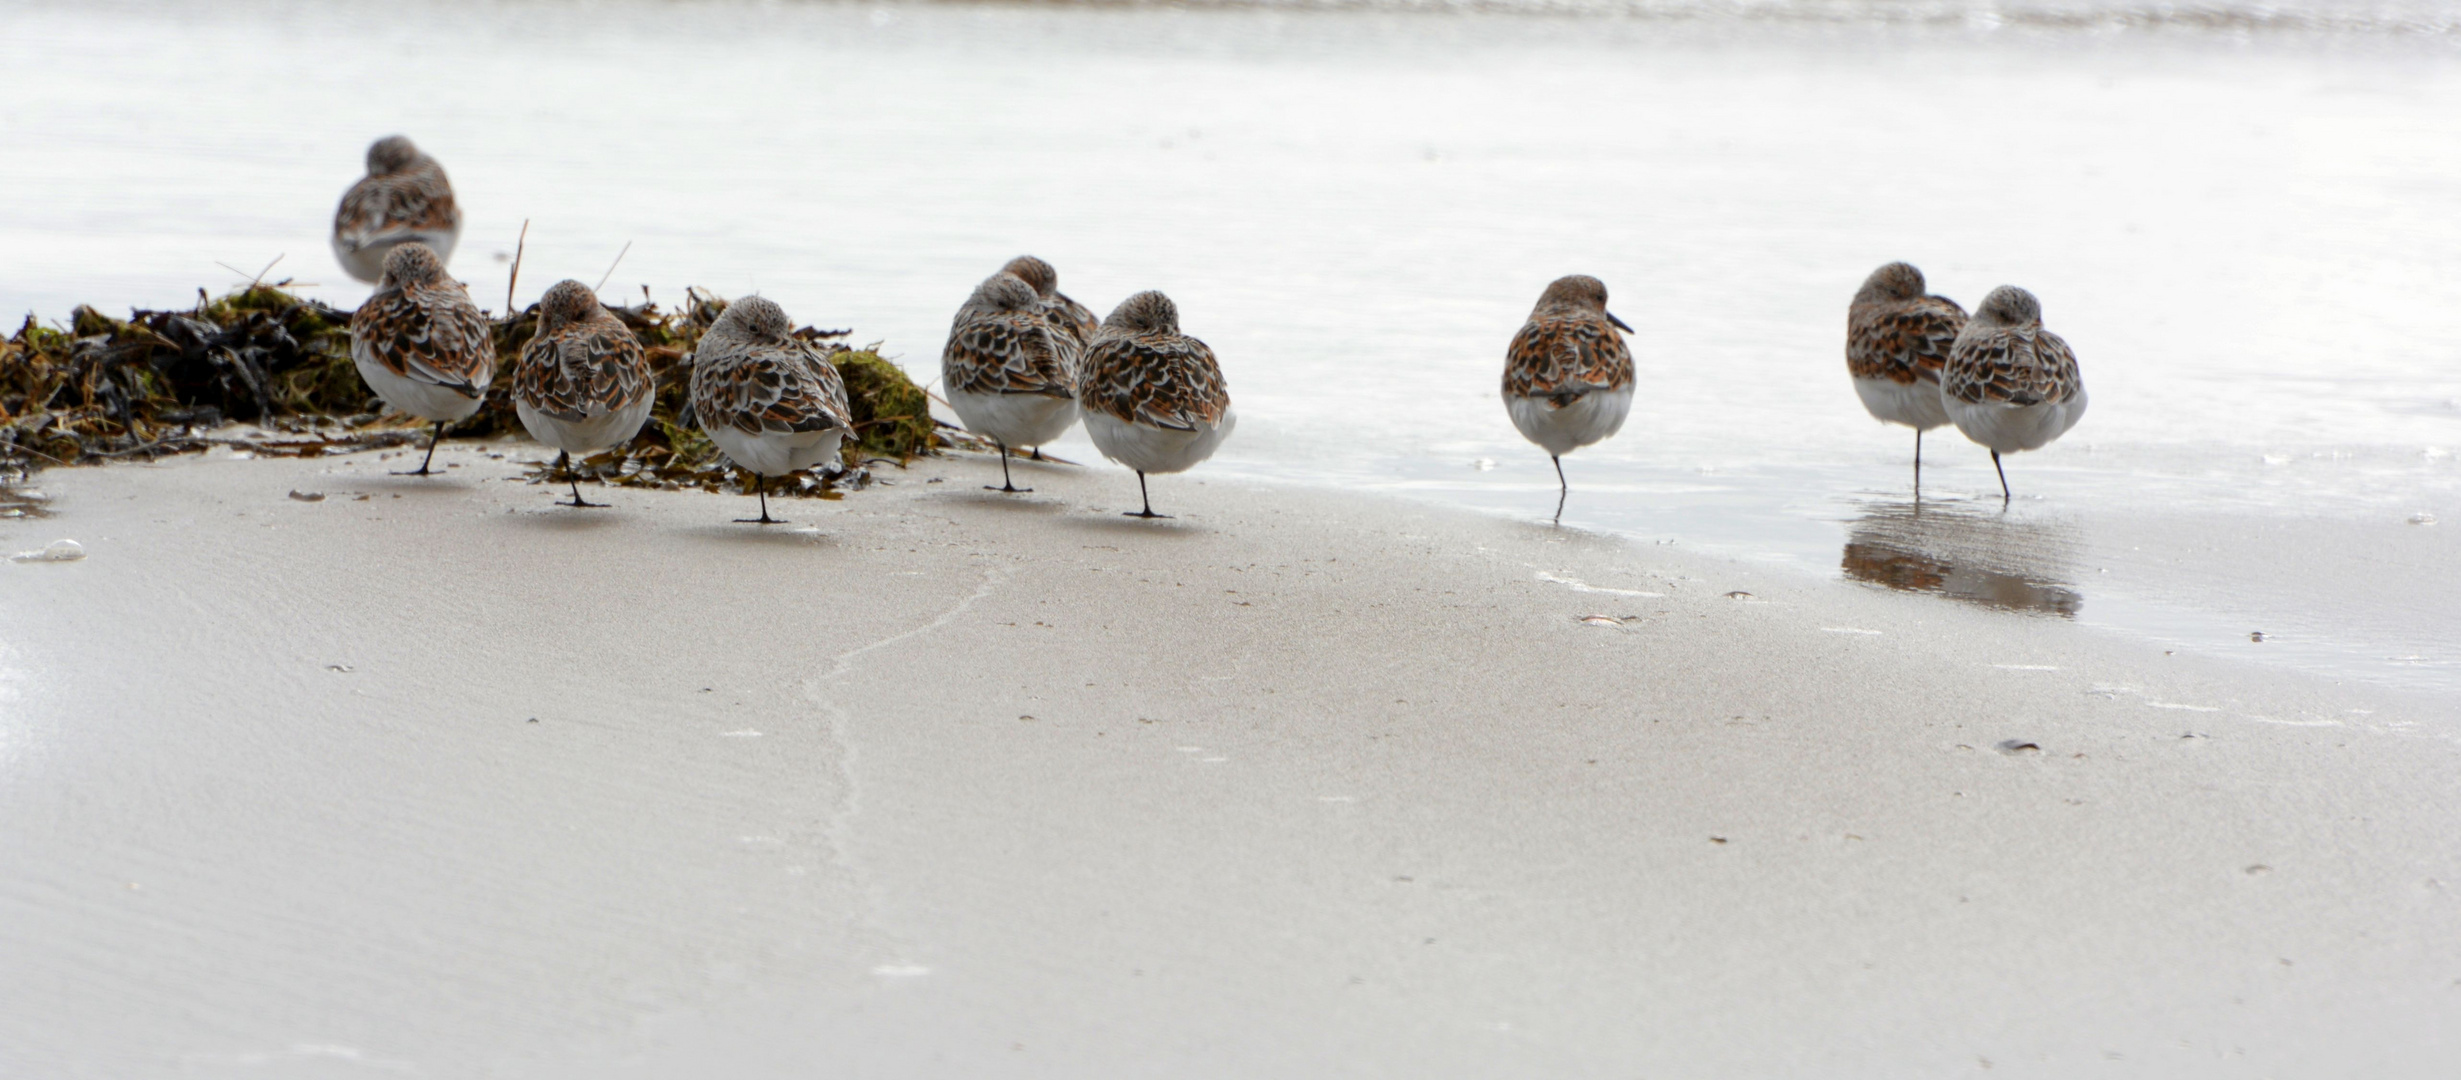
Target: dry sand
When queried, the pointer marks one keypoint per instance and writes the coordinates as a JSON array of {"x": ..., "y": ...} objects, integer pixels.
[{"x": 453, "y": 782}]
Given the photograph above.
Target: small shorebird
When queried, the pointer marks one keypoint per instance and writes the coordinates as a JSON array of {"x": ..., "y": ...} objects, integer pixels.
[
  {"x": 583, "y": 383},
  {"x": 2010, "y": 384},
  {"x": 1153, "y": 397},
  {"x": 1009, "y": 373},
  {"x": 421, "y": 344},
  {"x": 1897, "y": 338},
  {"x": 772, "y": 402},
  {"x": 1067, "y": 316},
  {"x": 1568, "y": 374},
  {"x": 403, "y": 198}
]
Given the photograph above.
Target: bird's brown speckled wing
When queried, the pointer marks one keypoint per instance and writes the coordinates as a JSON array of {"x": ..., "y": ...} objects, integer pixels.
[
  {"x": 770, "y": 388},
  {"x": 1564, "y": 357},
  {"x": 2017, "y": 365},
  {"x": 583, "y": 370},
  {"x": 417, "y": 198},
  {"x": 1010, "y": 352},
  {"x": 1159, "y": 380},
  {"x": 1902, "y": 341},
  {"x": 1073, "y": 319},
  {"x": 430, "y": 333}
]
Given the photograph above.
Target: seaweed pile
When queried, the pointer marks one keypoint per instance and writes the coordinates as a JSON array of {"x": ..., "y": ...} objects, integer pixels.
[{"x": 173, "y": 382}]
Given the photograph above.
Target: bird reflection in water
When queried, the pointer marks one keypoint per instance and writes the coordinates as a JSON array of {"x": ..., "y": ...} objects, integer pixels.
[{"x": 1990, "y": 559}]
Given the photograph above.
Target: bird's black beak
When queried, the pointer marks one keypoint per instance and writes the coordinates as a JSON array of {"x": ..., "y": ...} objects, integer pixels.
[{"x": 1619, "y": 323}]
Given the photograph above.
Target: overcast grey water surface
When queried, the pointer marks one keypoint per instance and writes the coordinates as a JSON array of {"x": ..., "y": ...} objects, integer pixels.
[{"x": 2251, "y": 233}]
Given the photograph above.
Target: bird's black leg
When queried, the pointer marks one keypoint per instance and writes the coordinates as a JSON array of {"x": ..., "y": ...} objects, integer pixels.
[
  {"x": 760, "y": 487},
  {"x": 1005, "y": 484},
  {"x": 1563, "y": 489},
  {"x": 1918, "y": 464},
  {"x": 432, "y": 440},
  {"x": 564, "y": 461},
  {"x": 1148, "y": 512},
  {"x": 1038, "y": 453},
  {"x": 1995, "y": 465}
]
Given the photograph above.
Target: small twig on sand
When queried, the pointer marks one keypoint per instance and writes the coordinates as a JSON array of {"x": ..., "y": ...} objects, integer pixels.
[
  {"x": 519, "y": 246},
  {"x": 36, "y": 453},
  {"x": 619, "y": 261}
]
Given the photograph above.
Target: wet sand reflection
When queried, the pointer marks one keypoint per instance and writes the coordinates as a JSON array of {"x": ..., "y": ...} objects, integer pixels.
[{"x": 1970, "y": 553}]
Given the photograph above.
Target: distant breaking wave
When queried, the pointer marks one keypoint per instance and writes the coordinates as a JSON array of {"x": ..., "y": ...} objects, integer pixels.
[{"x": 2413, "y": 17}]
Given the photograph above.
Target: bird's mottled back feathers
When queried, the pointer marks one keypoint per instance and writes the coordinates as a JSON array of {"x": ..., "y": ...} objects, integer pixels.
[
  {"x": 1005, "y": 343},
  {"x": 421, "y": 325},
  {"x": 751, "y": 373},
  {"x": 584, "y": 362},
  {"x": 1073, "y": 319},
  {"x": 404, "y": 191},
  {"x": 1569, "y": 347},
  {"x": 2005, "y": 357},
  {"x": 1142, "y": 370}
]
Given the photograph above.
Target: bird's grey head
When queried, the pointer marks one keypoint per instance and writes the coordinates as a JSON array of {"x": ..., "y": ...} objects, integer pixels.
[
  {"x": 413, "y": 263},
  {"x": 1577, "y": 292},
  {"x": 2009, "y": 305},
  {"x": 1003, "y": 291},
  {"x": 390, "y": 155},
  {"x": 1148, "y": 312},
  {"x": 1896, "y": 281},
  {"x": 567, "y": 302},
  {"x": 757, "y": 318},
  {"x": 1036, "y": 273}
]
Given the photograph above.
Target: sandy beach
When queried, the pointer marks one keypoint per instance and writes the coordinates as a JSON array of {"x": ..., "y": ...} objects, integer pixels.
[{"x": 434, "y": 778}]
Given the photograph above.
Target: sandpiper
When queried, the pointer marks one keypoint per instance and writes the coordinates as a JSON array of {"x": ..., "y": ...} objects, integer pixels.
[
  {"x": 770, "y": 400},
  {"x": 421, "y": 344},
  {"x": 1153, "y": 397},
  {"x": 1568, "y": 374},
  {"x": 404, "y": 198},
  {"x": 583, "y": 382},
  {"x": 2009, "y": 384},
  {"x": 1896, "y": 340},
  {"x": 1009, "y": 373}
]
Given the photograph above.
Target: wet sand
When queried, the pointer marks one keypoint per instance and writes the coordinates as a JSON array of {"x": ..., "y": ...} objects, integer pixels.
[{"x": 452, "y": 782}]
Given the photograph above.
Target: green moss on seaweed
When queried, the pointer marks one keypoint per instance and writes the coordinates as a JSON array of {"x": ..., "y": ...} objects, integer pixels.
[{"x": 892, "y": 415}]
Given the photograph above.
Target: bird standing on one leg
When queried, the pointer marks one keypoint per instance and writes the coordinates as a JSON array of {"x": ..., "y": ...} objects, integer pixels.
[
  {"x": 2009, "y": 384},
  {"x": 1568, "y": 374},
  {"x": 583, "y": 383},
  {"x": 1009, "y": 373},
  {"x": 1154, "y": 398},
  {"x": 404, "y": 198},
  {"x": 770, "y": 401},
  {"x": 1073, "y": 320},
  {"x": 421, "y": 344},
  {"x": 1897, "y": 339}
]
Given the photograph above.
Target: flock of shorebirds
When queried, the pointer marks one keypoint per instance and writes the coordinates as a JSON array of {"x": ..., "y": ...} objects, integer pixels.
[{"x": 1023, "y": 361}]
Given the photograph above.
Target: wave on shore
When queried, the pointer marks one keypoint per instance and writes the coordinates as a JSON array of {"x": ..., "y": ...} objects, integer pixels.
[{"x": 2430, "y": 18}]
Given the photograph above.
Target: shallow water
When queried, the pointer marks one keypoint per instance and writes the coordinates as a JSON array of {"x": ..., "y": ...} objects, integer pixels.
[{"x": 2248, "y": 235}]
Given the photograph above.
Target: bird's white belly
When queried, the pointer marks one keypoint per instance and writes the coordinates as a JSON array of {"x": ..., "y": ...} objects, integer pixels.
[
  {"x": 1916, "y": 404},
  {"x": 427, "y": 401},
  {"x": 1014, "y": 419},
  {"x": 367, "y": 261},
  {"x": 2007, "y": 429},
  {"x": 1591, "y": 417},
  {"x": 1155, "y": 449},
  {"x": 776, "y": 453},
  {"x": 581, "y": 438}
]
